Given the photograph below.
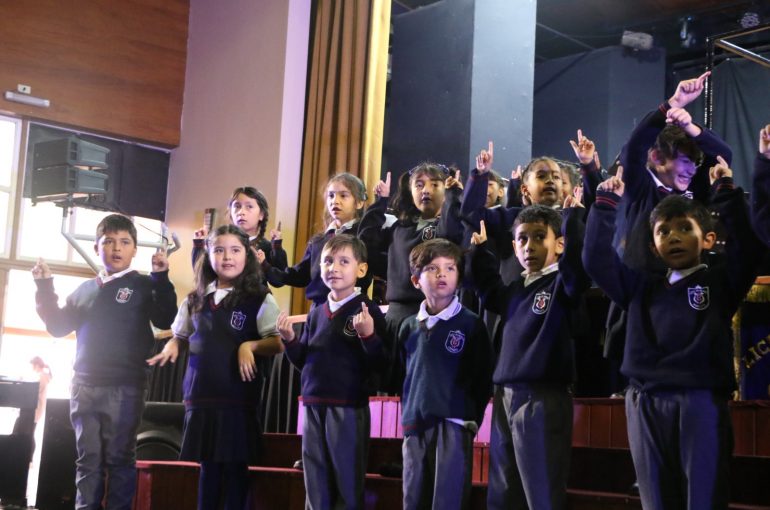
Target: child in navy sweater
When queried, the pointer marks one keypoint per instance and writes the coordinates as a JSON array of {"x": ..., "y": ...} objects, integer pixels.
[
  {"x": 532, "y": 414},
  {"x": 111, "y": 316},
  {"x": 679, "y": 349},
  {"x": 340, "y": 350},
  {"x": 447, "y": 386},
  {"x": 427, "y": 205}
]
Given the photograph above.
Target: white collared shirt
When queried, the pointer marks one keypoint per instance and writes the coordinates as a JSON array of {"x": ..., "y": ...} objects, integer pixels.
[
  {"x": 105, "y": 278},
  {"x": 444, "y": 315},
  {"x": 675, "y": 275},
  {"x": 336, "y": 305},
  {"x": 530, "y": 278},
  {"x": 343, "y": 228}
]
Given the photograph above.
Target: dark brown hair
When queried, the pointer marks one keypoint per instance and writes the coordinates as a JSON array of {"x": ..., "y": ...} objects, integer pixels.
[{"x": 247, "y": 284}]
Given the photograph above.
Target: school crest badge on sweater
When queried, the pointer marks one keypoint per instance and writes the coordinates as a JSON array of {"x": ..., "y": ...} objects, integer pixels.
[
  {"x": 698, "y": 297},
  {"x": 455, "y": 341},
  {"x": 123, "y": 295},
  {"x": 237, "y": 320},
  {"x": 349, "y": 330},
  {"x": 429, "y": 233},
  {"x": 541, "y": 302}
]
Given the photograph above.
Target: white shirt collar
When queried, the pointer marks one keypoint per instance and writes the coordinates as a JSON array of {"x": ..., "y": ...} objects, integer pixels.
[
  {"x": 336, "y": 305},
  {"x": 219, "y": 294},
  {"x": 658, "y": 183},
  {"x": 675, "y": 275},
  {"x": 343, "y": 227},
  {"x": 104, "y": 277},
  {"x": 444, "y": 315},
  {"x": 530, "y": 278}
]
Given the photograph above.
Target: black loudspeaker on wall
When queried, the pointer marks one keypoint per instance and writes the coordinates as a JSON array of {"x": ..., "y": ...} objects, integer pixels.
[{"x": 159, "y": 438}]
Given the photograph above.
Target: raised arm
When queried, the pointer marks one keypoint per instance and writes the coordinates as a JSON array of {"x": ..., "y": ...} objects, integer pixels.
[
  {"x": 760, "y": 196},
  {"x": 600, "y": 260},
  {"x": 296, "y": 348},
  {"x": 743, "y": 249},
  {"x": 58, "y": 321},
  {"x": 163, "y": 305},
  {"x": 485, "y": 274}
]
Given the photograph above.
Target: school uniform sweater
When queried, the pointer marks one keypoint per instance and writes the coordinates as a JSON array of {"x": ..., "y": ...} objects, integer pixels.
[
  {"x": 398, "y": 240},
  {"x": 338, "y": 367},
  {"x": 447, "y": 371},
  {"x": 642, "y": 194},
  {"x": 537, "y": 334},
  {"x": 760, "y": 198},
  {"x": 678, "y": 335},
  {"x": 307, "y": 273},
  {"x": 112, "y": 324}
]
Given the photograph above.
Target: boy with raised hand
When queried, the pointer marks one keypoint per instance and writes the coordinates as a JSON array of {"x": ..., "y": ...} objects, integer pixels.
[
  {"x": 111, "y": 317},
  {"x": 448, "y": 362},
  {"x": 339, "y": 353},
  {"x": 678, "y": 353},
  {"x": 531, "y": 438},
  {"x": 760, "y": 203}
]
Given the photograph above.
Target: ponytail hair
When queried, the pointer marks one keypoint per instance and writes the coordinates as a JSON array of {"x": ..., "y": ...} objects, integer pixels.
[{"x": 37, "y": 361}]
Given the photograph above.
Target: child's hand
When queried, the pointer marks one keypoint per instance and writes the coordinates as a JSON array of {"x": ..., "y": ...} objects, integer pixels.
[
  {"x": 170, "y": 353},
  {"x": 454, "y": 182},
  {"x": 688, "y": 91},
  {"x": 382, "y": 188},
  {"x": 584, "y": 148},
  {"x": 678, "y": 117},
  {"x": 485, "y": 159},
  {"x": 284, "y": 327},
  {"x": 614, "y": 184},
  {"x": 159, "y": 261},
  {"x": 516, "y": 174},
  {"x": 596, "y": 160},
  {"x": 41, "y": 270},
  {"x": 479, "y": 237},
  {"x": 246, "y": 364},
  {"x": 363, "y": 322},
  {"x": 575, "y": 199},
  {"x": 764, "y": 141},
  {"x": 201, "y": 233},
  {"x": 275, "y": 234},
  {"x": 721, "y": 169},
  {"x": 260, "y": 255}
]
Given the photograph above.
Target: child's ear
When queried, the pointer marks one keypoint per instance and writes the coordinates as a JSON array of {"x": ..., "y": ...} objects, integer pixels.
[
  {"x": 709, "y": 239},
  {"x": 363, "y": 267},
  {"x": 654, "y": 250},
  {"x": 415, "y": 281},
  {"x": 655, "y": 156},
  {"x": 524, "y": 190},
  {"x": 559, "y": 245},
  {"x": 96, "y": 248},
  {"x": 360, "y": 204}
]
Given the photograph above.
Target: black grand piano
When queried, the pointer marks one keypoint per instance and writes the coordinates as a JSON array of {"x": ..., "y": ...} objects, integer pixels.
[{"x": 16, "y": 448}]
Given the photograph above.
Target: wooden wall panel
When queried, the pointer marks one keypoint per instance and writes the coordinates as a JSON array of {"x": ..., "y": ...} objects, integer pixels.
[{"x": 115, "y": 67}]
